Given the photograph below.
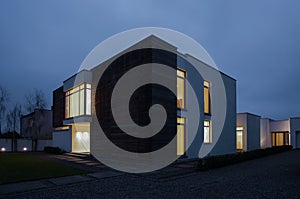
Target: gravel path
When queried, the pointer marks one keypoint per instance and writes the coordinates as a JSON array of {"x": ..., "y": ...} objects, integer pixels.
[{"x": 276, "y": 176}]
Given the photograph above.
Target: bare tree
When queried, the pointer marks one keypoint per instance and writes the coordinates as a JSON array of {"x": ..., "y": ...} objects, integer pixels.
[
  {"x": 4, "y": 98},
  {"x": 36, "y": 102},
  {"x": 13, "y": 121}
]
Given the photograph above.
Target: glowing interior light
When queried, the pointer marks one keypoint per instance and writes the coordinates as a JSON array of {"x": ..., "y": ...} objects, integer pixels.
[
  {"x": 78, "y": 135},
  {"x": 25, "y": 149},
  {"x": 85, "y": 136},
  {"x": 3, "y": 149}
]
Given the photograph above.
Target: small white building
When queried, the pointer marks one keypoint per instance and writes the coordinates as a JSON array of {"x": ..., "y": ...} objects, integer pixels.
[
  {"x": 254, "y": 132},
  {"x": 247, "y": 132}
]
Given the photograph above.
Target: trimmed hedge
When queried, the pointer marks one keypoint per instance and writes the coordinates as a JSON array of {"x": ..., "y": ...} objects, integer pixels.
[
  {"x": 212, "y": 162},
  {"x": 54, "y": 150}
]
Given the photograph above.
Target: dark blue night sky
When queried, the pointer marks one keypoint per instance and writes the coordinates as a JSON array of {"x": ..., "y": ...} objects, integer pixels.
[{"x": 257, "y": 42}]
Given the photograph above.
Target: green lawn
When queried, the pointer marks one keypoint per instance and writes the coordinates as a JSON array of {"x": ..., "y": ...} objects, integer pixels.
[{"x": 16, "y": 167}]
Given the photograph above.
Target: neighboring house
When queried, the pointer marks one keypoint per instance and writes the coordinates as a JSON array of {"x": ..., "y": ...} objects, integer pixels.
[
  {"x": 247, "y": 132},
  {"x": 37, "y": 125},
  {"x": 83, "y": 101},
  {"x": 254, "y": 132}
]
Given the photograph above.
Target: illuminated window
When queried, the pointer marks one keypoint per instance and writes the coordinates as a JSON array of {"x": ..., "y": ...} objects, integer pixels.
[
  {"x": 206, "y": 97},
  {"x": 239, "y": 138},
  {"x": 81, "y": 137},
  {"x": 88, "y": 99},
  {"x": 207, "y": 132},
  {"x": 280, "y": 138},
  {"x": 180, "y": 135},
  {"x": 180, "y": 88},
  {"x": 78, "y": 101}
]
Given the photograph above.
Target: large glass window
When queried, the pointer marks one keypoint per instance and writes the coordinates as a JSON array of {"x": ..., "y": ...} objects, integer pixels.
[
  {"x": 76, "y": 101},
  {"x": 207, "y": 132},
  {"x": 206, "y": 97},
  {"x": 181, "y": 88},
  {"x": 180, "y": 135},
  {"x": 239, "y": 138},
  {"x": 280, "y": 138}
]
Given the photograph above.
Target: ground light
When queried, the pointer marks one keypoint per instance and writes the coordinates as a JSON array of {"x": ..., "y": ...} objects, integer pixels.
[{"x": 3, "y": 149}]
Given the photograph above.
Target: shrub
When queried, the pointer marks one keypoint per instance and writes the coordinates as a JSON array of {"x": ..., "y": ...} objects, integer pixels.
[
  {"x": 211, "y": 162},
  {"x": 54, "y": 150}
]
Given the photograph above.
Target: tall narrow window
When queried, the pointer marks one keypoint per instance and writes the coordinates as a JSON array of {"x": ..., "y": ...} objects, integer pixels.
[
  {"x": 180, "y": 135},
  {"x": 207, "y": 132},
  {"x": 88, "y": 99},
  {"x": 67, "y": 105},
  {"x": 239, "y": 138},
  {"x": 78, "y": 101},
  {"x": 181, "y": 88},
  {"x": 206, "y": 97}
]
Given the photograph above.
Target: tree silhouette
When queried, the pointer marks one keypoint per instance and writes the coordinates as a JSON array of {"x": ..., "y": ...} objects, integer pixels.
[
  {"x": 13, "y": 121},
  {"x": 36, "y": 102},
  {"x": 4, "y": 98}
]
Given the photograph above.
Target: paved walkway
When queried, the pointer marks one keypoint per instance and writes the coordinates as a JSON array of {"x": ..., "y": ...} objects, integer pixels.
[{"x": 276, "y": 176}]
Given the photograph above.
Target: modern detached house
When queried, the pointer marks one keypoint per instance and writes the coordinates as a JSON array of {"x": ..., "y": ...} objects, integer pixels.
[{"x": 84, "y": 101}]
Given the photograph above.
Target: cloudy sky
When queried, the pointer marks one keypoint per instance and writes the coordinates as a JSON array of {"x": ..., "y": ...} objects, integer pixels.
[{"x": 257, "y": 42}]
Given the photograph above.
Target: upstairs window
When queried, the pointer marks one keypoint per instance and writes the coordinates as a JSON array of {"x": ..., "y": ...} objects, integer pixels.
[
  {"x": 78, "y": 101},
  {"x": 207, "y": 98},
  {"x": 181, "y": 74}
]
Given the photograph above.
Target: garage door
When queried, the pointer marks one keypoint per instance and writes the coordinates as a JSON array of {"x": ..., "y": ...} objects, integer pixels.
[{"x": 298, "y": 139}]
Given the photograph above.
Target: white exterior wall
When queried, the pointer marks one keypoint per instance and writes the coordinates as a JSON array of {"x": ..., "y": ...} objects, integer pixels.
[
  {"x": 241, "y": 121},
  {"x": 251, "y": 130},
  {"x": 63, "y": 140},
  {"x": 295, "y": 132},
  {"x": 280, "y": 125},
  {"x": 223, "y": 139},
  {"x": 265, "y": 134}
]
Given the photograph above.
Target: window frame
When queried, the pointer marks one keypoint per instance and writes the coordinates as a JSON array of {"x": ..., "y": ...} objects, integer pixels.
[
  {"x": 240, "y": 129},
  {"x": 210, "y": 131},
  {"x": 184, "y": 135},
  {"x": 184, "y": 86},
  {"x": 207, "y": 85},
  {"x": 285, "y": 137},
  {"x": 81, "y": 92}
]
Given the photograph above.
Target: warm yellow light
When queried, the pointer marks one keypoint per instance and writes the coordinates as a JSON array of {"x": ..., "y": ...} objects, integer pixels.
[
  {"x": 206, "y": 98},
  {"x": 180, "y": 73},
  {"x": 180, "y": 135},
  {"x": 239, "y": 128}
]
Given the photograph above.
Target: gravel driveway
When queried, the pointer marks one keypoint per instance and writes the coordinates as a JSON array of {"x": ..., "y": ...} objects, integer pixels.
[{"x": 276, "y": 176}]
